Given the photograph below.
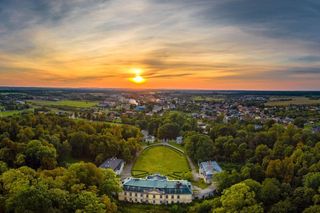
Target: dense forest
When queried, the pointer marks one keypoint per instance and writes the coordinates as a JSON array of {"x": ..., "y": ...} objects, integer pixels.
[
  {"x": 276, "y": 169},
  {"x": 273, "y": 169},
  {"x": 35, "y": 175}
]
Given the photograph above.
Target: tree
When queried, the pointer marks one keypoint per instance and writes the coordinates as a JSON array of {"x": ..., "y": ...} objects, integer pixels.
[
  {"x": 168, "y": 131},
  {"x": 199, "y": 147},
  {"x": 78, "y": 143},
  {"x": 302, "y": 198},
  {"x": 312, "y": 209},
  {"x": 33, "y": 198},
  {"x": 299, "y": 122},
  {"x": 261, "y": 152},
  {"x": 283, "y": 206},
  {"x": 270, "y": 191},
  {"x": 86, "y": 201},
  {"x": 312, "y": 180},
  {"x": 281, "y": 169},
  {"x": 39, "y": 154},
  {"x": 3, "y": 167},
  {"x": 239, "y": 198}
]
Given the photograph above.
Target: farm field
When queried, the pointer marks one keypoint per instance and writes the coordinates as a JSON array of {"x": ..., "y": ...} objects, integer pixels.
[
  {"x": 292, "y": 101},
  {"x": 13, "y": 112},
  {"x": 205, "y": 98},
  {"x": 67, "y": 103},
  {"x": 160, "y": 159}
]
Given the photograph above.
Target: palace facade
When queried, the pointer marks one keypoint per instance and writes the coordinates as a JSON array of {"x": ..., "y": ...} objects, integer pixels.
[{"x": 156, "y": 189}]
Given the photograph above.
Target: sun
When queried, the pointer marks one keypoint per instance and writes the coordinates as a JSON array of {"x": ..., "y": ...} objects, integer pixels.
[{"x": 138, "y": 79}]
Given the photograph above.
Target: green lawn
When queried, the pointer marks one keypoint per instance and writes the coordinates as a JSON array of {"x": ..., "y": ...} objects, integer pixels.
[
  {"x": 67, "y": 103},
  {"x": 179, "y": 146},
  {"x": 201, "y": 184},
  {"x": 146, "y": 208},
  {"x": 160, "y": 159},
  {"x": 208, "y": 98},
  {"x": 13, "y": 112},
  {"x": 286, "y": 101}
]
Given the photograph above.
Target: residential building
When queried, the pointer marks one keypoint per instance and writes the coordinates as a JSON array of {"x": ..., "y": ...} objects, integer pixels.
[
  {"x": 207, "y": 169},
  {"x": 113, "y": 163},
  {"x": 156, "y": 189},
  {"x": 179, "y": 140}
]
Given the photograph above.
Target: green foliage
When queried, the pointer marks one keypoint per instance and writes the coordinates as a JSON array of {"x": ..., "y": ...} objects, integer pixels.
[
  {"x": 199, "y": 147},
  {"x": 239, "y": 198},
  {"x": 40, "y": 154},
  {"x": 312, "y": 180},
  {"x": 168, "y": 131},
  {"x": 80, "y": 188}
]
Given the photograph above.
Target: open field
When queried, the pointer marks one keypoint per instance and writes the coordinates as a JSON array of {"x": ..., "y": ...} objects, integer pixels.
[
  {"x": 206, "y": 98},
  {"x": 13, "y": 112},
  {"x": 160, "y": 159},
  {"x": 286, "y": 101},
  {"x": 67, "y": 103}
]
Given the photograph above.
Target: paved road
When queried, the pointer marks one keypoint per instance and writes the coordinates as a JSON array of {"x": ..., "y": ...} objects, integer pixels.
[
  {"x": 203, "y": 193},
  {"x": 128, "y": 166}
]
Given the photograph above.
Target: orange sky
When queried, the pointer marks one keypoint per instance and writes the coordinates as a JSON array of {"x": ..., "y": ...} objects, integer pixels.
[{"x": 176, "y": 44}]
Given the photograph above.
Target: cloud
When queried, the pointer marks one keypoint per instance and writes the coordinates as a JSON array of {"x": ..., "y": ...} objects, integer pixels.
[
  {"x": 284, "y": 19},
  {"x": 83, "y": 41}
]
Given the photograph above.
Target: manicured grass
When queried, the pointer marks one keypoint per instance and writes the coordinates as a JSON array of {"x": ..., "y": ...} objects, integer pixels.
[
  {"x": 201, "y": 184},
  {"x": 146, "y": 208},
  {"x": 179, "y": 146},
  {"x": 67, "y": 103},
  {"x": 161, "y": 159},
  {"x": 291, "y": 101}
]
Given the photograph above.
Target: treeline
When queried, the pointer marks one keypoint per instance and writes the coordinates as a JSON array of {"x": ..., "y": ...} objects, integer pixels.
[
  {"x": 44, "y": 141},
  {"x": 168, "y": 126},
  {"x": 278, "y": 167}
]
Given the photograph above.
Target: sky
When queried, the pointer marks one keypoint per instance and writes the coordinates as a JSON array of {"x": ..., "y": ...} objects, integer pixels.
[{"x": 177, "y": 44}]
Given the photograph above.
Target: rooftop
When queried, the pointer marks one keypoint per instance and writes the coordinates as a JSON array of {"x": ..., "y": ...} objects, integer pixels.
[
  {"x": 209, "y": 167},
  {"x": 112, "y": 163},
  {"x": 159, "y": 183}
]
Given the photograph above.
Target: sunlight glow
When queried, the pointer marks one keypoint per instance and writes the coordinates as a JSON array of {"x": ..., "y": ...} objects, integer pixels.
[{"x": 138, "y": 79}]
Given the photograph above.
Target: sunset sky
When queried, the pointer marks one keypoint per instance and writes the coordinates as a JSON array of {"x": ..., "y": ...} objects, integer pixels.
[{"x": 195, "y": 44}]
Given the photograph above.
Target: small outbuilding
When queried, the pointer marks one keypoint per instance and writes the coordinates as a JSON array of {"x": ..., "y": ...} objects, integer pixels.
[
  {"x": 114, "y": 163},
  {"x": 207, "y": 169}
]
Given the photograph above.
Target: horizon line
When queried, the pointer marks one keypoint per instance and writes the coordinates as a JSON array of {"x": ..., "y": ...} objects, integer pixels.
[{"x": 152, "y": 89}]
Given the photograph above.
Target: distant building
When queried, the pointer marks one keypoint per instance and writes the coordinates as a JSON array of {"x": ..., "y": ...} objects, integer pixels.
[
  {"x": 156, "y": 189},
  {"x": 150, "y": 139},
  {"x": 133, "y": 102},
  {"x": 146, "y": 137},
  {"x": 316, "y": 129},
  {"x": 179, "y": 140},
  {"x": 207, "y": 169},
  {"x": 258, "y": 127},
  {"x": 140, "y": 108},
  {"x": 157, "y": 109},
  {"x": 113, "y": 163}
]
